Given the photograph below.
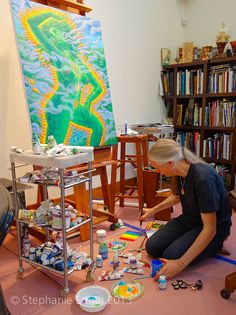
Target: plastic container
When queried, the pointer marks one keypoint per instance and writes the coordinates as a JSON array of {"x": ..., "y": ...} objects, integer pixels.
[
  {"x": 93, "y": 298},
  {"x": 133, "y": 262},
  {"x": 51, "y": 142},
  {"x": 103, "y": 250},
  {"x": 162, "y": 283},
  {"x": 156, "y": 265},
  {"x": 101, "y": 236},
  {"x": 99, "y": 261},
  {"x": 57, "y": 219}
]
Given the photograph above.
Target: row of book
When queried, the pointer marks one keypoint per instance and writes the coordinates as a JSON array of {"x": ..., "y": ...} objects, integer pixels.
[
  {"x": 190, "y": 140},
  {"x": 224, "y": 172},
  {"x": 190, "y": 114},
  {"x": 167, "y": 79},
  {"x": 189, "y": 82},
  {"x": 220, "y": 114},
  {"x": 219, "y": 146},
  {"x": 222, "y": 79}
]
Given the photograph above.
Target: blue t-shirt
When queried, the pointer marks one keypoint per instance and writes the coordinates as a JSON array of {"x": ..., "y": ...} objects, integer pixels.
[{"x": 203, "y": 191}]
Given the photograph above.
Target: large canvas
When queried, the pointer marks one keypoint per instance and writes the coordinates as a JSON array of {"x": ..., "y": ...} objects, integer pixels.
[{"x": 65, "y": 75}]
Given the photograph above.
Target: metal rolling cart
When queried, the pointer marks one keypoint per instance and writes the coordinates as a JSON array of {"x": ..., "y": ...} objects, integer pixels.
[{"x": 61, "y": 163}]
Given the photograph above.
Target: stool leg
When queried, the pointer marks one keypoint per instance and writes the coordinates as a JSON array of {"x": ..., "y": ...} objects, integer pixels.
[
  {"x": 139, "y": 175},
  {"x": 145, "y": 153},
  {"x": 113, "y": 178},
  {"x": 105, "y": 189},
  {"x": 122, "y": 173}
]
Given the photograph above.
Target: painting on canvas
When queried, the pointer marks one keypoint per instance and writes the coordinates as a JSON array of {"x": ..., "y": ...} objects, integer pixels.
[{"x": 65, "y": 75}]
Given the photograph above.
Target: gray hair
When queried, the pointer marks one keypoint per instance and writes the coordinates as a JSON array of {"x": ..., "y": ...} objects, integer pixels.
[{"x": 165, "y": 150}]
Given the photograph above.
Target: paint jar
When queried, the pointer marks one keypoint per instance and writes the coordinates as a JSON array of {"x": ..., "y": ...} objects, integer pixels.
[
  {"x": 115, "y": 262},
  {"x": 51, "y": 142},
  {"x": 99, "y": 261},
  {"x": 103, "y": 250},
  {"x": 101, "y": 236},
  {"x": 73, "y": 220},
  {"x": 133, "y": 262},
  {"x": 156, "y": 265},
  {"x": 162, "y": 283},
  {"x": 32, "y": 253},
  {"x": 57, "y": 219}
]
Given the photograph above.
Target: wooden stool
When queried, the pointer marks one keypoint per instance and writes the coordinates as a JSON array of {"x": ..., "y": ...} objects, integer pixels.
[{"x": 138, "y": 160}]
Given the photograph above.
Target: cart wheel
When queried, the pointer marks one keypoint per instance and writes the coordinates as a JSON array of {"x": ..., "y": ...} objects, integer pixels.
[
  {"x": 20, "y": 273},
  {"x": 64, "y": 292},
  {"x": 225, "y": 294}
]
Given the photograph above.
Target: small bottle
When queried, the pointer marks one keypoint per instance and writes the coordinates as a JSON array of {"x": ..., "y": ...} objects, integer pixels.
[
  {"x": 26, "y": 244},
  {"x": 125, "y": 128},
  {"x": 116, "y": 261},
  {"x": 99, "y": 261},
  {"x": 162, "y": 283},
  {"x": 133, "y": 262},
  {"x": 101, "y": 236},
  {"x": 51, "y": 142},
  {"x": 36, "y": 144},
  {"x": 103, "y": 250}
]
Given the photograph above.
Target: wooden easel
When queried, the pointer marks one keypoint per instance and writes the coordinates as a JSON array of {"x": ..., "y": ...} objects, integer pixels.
[
  {"x": 103, "y": 157},
  {"x": 76, "y": 6}
]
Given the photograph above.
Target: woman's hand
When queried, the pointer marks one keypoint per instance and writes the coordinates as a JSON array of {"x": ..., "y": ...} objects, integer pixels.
[
  {"x": 147, "y": 212},
  {"x": 170, "y": 269}
]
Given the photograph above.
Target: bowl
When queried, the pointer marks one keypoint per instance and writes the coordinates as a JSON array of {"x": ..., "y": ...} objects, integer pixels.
[{"x": 93, "y": 298}]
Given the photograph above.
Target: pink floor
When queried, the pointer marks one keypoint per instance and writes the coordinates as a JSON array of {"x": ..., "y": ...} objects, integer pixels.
[{"x": 39, "y": 292}]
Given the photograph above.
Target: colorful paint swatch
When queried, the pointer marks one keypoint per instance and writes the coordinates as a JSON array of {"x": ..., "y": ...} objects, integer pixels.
[{"x": 129, "y": 236}]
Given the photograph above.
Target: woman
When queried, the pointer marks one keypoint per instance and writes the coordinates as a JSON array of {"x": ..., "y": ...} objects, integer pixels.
[{"x": 199, "y": 232}]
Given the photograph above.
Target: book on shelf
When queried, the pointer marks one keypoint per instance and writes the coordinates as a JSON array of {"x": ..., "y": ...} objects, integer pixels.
[
  {"x": 220, "y": 114},
  {"x": 190, "y": 140},
  {"x": 167, "y": 80},
  {"x": 219, "y": 146},
  {"x": 179, "y": 114}
]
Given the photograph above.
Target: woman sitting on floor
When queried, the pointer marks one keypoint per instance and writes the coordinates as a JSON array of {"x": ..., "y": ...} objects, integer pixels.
[{"x": 199, "y": 232}]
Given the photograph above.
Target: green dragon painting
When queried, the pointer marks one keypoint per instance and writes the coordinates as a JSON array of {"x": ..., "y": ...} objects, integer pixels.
[{"x": 65, "y": 75}]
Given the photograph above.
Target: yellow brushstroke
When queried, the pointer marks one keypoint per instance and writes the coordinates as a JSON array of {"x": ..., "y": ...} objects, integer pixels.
[
  {"x": 79, "y": 128},
  {"x": 24, "y": 18}
]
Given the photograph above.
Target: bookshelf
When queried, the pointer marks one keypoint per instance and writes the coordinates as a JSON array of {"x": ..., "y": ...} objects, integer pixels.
[{"x": 202, "y": 99}]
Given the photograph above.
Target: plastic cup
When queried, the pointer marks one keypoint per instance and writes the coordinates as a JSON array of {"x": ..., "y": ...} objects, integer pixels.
[{"x": 156, "y": 265}]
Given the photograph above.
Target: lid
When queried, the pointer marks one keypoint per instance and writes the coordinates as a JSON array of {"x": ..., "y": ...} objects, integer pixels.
[
  {"x": 99, "y": 256},
  {"x": 101, "y": 233}
]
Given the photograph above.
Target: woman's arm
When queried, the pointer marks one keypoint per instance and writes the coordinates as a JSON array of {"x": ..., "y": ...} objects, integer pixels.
[
  {"x": 167, "y": 203},
  {"x": 173, "y": 267}
]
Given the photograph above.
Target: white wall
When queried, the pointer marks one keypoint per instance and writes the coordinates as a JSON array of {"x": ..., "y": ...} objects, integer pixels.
[{"x": 204, "y": 19}]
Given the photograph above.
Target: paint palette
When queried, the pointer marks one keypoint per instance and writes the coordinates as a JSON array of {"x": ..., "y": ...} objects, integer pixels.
[
  {"x": 93, "y": 298},
  {"x": 117, "y": 246},
  {"x": 130, "y": 236},
  {"x": 127, "y": 289}
]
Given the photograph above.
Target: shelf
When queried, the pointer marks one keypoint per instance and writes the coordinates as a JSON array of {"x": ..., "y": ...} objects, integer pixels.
[
  {"x": 227, "y": 129},
  {"x": 217, "y": 95},
  {"x": 222, "y": 60},
  {"x": 188, "y": 127},
  {"x": 28, "y": 157},
  {"x": 168, "y": 97},
  {"x": 189, "y": 96},
  {"x": 50, "y": 228},
  {"x": 34, "y": 263},
  {"x": 186, "y": 64},
  {"x": 222, "y": 161}
]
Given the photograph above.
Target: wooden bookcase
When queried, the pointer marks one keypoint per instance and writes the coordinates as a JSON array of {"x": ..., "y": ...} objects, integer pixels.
[{"x": 209, "y": 140}]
